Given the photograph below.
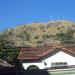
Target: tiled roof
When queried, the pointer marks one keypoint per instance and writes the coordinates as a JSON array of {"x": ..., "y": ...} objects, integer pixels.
[
  {"x": 4, "y": 63},
  {"x": 38, "y": 52}
]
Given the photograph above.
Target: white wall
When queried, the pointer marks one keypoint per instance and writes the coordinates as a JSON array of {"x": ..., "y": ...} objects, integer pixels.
[
  {"x": 38, "y": 64},
  {"x": 58, "y": 57}
]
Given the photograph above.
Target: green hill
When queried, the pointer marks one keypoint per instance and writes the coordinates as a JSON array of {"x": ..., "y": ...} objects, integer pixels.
[{"x": 34, "y": 34}]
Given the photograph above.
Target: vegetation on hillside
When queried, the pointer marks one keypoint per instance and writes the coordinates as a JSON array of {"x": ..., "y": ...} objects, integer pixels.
[
  {"x": 35, "y": 34},
  {"x": 8, "y": 51}
]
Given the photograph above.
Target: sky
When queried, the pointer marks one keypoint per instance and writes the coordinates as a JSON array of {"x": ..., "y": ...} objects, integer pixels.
[{"x": 16, "y": 12}]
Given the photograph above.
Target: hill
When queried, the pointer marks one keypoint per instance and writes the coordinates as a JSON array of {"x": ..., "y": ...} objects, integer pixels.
[{"x": 36, "y": 34}]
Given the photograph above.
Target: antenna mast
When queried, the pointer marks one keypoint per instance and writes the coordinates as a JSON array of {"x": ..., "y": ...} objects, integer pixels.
[
  {"x": 51, "y": 17},
  {"x": 14, "y": 34}
]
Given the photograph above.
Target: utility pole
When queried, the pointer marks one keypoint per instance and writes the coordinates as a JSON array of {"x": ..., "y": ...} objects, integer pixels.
[{"x": 14, "y": 34}]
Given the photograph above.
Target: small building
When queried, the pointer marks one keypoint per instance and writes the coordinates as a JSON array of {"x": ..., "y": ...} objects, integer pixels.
[{"x": 48, "y": 57}]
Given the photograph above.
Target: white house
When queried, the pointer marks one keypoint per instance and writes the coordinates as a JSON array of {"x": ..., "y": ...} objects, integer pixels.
[{"x": 48, "y": 57}]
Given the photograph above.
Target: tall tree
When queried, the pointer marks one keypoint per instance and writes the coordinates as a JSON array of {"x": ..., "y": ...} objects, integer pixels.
[{"x": 8, "y": 52}]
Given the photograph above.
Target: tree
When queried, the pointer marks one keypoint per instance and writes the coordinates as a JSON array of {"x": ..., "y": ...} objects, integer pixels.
[
  {"x": 65, "y": 38},
  {"x": 8, "y": 52},
  {"x": 26, "y": 35}
]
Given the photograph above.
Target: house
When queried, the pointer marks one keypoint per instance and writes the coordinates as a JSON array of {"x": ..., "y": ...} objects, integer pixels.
[{"x": 48, "y": 57}]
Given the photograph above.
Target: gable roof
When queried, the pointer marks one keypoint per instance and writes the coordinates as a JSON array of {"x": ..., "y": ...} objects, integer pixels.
[{"x": 34, "y": 53}]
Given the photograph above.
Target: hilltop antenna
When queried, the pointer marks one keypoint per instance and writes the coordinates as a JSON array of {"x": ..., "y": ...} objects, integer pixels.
[
  {"x": 51, "y": 17},
  {"x": 58, "y": 18},
  {"x": 62, "y": 17},
  {"x": 14, "y": 34}
]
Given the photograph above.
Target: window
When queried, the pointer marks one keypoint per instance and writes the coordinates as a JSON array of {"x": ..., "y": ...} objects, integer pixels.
[{"x": 58, "y": 64}]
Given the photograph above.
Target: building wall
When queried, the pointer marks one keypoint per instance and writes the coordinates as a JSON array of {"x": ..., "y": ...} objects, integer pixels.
[
  {"x": 58, "y": 57},
  {"x": 38, "y": 64}
]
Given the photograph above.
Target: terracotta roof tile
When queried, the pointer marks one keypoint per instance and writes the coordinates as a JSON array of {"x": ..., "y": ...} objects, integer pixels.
[{"x": 38, "y": 52}]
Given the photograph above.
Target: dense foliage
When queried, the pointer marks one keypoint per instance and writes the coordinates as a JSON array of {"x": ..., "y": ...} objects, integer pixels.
[
  {"x": 66, "y": 38},
  {"x": 8, "y": 51}
]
